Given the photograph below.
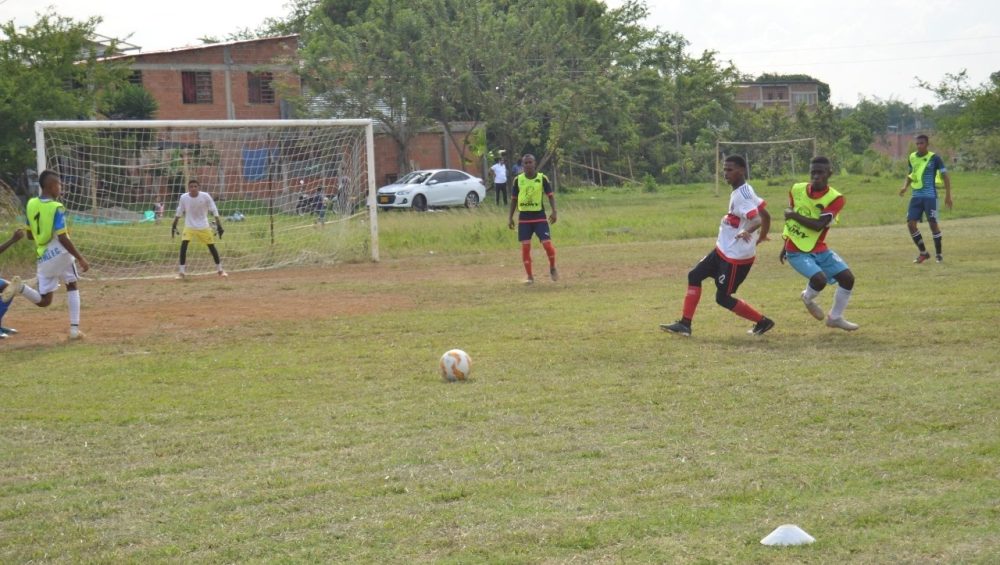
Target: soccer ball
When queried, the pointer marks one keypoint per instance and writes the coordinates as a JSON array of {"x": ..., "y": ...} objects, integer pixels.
[{"x": 456, "y": 365}]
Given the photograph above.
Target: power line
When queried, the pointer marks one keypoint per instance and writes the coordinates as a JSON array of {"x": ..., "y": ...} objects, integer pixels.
[
  {"x": 859, "y": 61},
  {"x": 857, "y": 46}
]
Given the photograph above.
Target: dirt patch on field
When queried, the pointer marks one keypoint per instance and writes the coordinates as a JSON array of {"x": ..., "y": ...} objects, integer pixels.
[{"x": 115, "y": 311}]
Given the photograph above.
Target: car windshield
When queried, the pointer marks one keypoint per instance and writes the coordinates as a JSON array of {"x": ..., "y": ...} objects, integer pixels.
[{"x": 415, "y": 177}]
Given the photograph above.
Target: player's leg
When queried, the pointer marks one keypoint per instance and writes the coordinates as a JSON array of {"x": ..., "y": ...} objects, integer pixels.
[
  {"x": 932, "y": 221},
  {"x": 217, "y": 259},
  {"x": 524, "y": 233},
  {"x": 728, "y": 281},
  {"x": 73, "y": 302},
  {"x": 836, "y": 268},
  {"x": 913, "y": 215},
  {"x": 545, "y": 237},
  {"x": 4, "y": 305},
  {"x": 805, "y": 264},
  {"x": 182, "y": 260},
  {"x": 707, "y": 267}
]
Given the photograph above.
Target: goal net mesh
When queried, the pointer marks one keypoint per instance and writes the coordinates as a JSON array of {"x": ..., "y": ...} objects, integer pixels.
[{"x": 288, "y": 194}]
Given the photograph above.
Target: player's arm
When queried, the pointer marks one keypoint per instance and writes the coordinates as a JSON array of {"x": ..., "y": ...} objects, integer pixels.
[
  {"x": 947, "y": 183},
  {"x": 68, "y": 244},
  {"x": 547, "y": 189},
  {"x": 817, "y": 224},
  {"x": 906, "y": 183},
  {"x": 14, "y": 238},
  {"x": 218, "y": 223},
  {"x": 765, "y": 223},
  {"x": 513, "y": 204}
]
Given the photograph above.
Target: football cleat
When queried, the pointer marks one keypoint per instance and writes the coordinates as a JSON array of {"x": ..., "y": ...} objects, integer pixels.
[
  {"x": 815, "y": 309},
  {"x": 922, "y": 257},
  {"x": 762, "y": 327},
  {"x": 13, "y": 288},
  {"x": 841, "y": 323},
  {"x": 678, "y": 327}
]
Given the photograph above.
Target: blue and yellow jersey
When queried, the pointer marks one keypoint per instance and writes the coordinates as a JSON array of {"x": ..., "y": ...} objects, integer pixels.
[
  {"x": 925, "y": 173},
  {"x": 46, "y": 220}
]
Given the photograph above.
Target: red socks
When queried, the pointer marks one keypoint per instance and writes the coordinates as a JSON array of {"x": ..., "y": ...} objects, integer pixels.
[
  {"x": 744, "y": 310},
  {"x": 526, "y": 257},
  {"x": 691, "y": 302}
]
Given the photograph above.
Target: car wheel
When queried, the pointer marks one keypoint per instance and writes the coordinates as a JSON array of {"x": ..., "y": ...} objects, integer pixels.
[
  {"x": 420, "y": 203},
  {"x": 471, "y": 200}
]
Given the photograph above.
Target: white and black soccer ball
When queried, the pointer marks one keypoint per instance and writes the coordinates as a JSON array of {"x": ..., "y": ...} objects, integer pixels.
[{"x": 456, "y": 365}]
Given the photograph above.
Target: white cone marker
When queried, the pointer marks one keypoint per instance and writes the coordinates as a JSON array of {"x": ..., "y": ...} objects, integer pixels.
[{"x": 788, "y": 534}]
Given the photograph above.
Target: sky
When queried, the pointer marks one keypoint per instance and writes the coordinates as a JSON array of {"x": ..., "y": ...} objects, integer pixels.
[{"x": 862, "y": 48}]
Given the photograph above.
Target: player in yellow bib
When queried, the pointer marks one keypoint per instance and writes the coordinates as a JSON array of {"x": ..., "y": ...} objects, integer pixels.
[
  {"x": 195, "y": 205},
  {"x": 813, "y": 208},
  {"x": 58, "y": 258},
  {"x": 526, "y": 198}
]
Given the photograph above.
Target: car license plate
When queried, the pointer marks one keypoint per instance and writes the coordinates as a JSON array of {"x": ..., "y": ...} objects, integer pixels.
[{"x": 383, "y": 199}]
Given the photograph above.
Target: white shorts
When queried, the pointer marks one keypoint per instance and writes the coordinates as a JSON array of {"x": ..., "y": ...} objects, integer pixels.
[{"x": 52, "y": 269}]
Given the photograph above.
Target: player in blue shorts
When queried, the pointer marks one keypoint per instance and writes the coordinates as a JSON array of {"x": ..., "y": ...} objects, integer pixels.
[
  {"x": 526, "y": 198},
  {"x": 925, "y": 170},
  {"x": 813, "y": 206},
  {"x": 5, "y": 303}
]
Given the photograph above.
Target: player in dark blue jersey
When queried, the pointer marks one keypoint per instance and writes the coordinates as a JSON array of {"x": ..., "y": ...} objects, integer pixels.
[{"x": 926, "y": 171}]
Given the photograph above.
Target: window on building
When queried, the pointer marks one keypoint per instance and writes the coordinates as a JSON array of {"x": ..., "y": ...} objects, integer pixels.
[
  {"x": 806, "y": 98},
  {"x": 260, "y": 88},
  {"x": 196, "y": 87},
  {"x": 135, "y": 78}
]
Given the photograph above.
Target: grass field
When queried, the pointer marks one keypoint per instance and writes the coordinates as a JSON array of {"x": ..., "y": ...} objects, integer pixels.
[{"x": 297, "y": 416}]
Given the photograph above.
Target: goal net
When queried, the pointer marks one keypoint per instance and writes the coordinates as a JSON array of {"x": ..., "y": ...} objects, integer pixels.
[
  {"x": 290, "y": 192},
  {"x": 768, "y": 159}
]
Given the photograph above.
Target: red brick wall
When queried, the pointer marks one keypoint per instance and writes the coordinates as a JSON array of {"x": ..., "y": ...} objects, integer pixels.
[{"x": 165, "y": 85}]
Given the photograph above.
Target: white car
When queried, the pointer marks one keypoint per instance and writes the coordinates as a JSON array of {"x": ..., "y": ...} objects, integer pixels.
[{"x": 431, "y": 188}]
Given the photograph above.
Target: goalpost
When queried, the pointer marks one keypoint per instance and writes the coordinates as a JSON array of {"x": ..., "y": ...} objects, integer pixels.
[
  {"x": 290, "y": 192},
  {"x": 777, "y": 142}
]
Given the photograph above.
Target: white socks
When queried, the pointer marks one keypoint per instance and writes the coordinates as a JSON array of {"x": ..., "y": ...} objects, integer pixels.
[
  {"x": 31, "y": 294},
  {"x": 840, "y": 300},
  {"x": 73, "y": 299}
]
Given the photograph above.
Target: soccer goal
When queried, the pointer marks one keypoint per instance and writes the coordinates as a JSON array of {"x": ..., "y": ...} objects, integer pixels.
[
  {"x": 290, "y": 192},
  {"x": 780, "y": 157}
]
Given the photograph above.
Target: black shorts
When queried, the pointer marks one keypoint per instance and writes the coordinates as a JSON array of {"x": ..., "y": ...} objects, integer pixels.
[{"x": 728, "y": 276}]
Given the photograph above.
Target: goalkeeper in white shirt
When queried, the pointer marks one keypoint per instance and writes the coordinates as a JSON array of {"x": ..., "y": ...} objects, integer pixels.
[{"x": 195, "y": 205}]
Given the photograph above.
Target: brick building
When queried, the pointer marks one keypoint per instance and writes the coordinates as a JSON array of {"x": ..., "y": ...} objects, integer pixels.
[
  {"x": 252, "y": 79},
  {"x": 788, "y": 95}
]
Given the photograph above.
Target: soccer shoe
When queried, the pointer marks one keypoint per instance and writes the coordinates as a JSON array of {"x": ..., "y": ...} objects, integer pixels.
[
  {"x": 841, "y": 323},
  {"x": 762, "y": 327},
  {"x": 922, "y": 257},
  {"x": 815, "y": 309},
  {"x": 75, "y": 333},
  {"x": 179, "y": 276},
  {"x": 939, "y": 258},
  {"x": 679, "y": 328},
  {"x": 224, "y": 274},
  {"x": 554, "y": 273},
  {"x": 13, "y": 288},
  {"x": 529, "y": 280},
  {"x": 8, "y": 331},
  {"x": 3, "y": 335}
]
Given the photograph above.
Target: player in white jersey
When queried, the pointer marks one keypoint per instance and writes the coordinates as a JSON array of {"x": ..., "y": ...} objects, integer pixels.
[
  {"x": 195, "y": 206},
  {"x": 745, "y": 226}
]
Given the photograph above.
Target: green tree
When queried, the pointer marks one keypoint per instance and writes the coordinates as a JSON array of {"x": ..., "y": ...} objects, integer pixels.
[
  {"x": 48, "y": 71},
  {"x": 680, "y": 97},
  {"x": 970, "y": 118},
  {"x": 129, "y": 102}
]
